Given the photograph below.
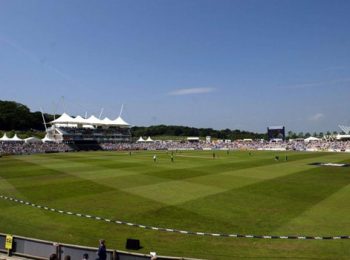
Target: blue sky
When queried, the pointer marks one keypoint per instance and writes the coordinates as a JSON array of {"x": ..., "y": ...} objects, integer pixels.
[{"x": 220, "y": 64}]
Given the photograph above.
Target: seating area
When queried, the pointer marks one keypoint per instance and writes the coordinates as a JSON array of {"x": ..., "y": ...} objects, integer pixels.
[
  {"x": 85, "y": 146},
  {"x": 18, "y": 147}
]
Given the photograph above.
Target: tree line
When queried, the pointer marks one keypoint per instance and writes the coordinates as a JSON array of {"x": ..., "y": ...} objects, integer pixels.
[
  {"x": 15, "y": 116},
  {"x": 172, "y": 130}
]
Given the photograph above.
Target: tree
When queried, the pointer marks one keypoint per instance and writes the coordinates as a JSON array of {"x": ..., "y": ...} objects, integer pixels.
[
  {"x": 292, "y": 135},
  {"x": 14, "y": 115}
]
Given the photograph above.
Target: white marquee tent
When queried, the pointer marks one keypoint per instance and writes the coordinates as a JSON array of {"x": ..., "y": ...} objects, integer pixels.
[
  {"x": 311, "y": 139},
  {"x": 149, "y": 140},
  {"x": 4, "y": 138},
  {"x": 140, "y": 140},
  {"x": 15, "y": 138}
]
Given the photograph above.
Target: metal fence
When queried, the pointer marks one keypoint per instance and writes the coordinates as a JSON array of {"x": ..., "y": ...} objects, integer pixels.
[{"x": 42, "y": 249}]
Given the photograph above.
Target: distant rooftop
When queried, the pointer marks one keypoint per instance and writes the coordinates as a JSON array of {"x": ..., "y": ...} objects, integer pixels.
[{"x": 275, "y": 127}]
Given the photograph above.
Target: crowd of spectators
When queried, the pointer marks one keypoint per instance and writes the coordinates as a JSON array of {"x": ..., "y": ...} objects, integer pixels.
[
  {"x": 321, "y": 145},
  {"x": 159, "y": 145},
  {"x": 8, "y": 148}
]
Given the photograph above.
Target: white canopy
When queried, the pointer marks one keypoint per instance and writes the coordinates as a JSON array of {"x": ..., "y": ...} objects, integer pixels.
[
  {"x": 67, "y": 121},
  {"x": 93, "y": 121},
  {"x": 32, "y": 140},
  {"x": 64, "y": 119},
  {"x": 140, "y": 139},
  {"x": 149, "y": 139},
  {"x": 311, "y": 138},
  {"x": 79, "y": 120},
  {"x": 16, "y": 138},
  {"x": 5, "y": 138},
  {"x": 120, "y": 121},
  {"x": 107, "y": 121}
]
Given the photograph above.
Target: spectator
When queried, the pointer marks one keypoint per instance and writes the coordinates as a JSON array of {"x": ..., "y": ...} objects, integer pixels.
[{"x": 102, "y": 251}]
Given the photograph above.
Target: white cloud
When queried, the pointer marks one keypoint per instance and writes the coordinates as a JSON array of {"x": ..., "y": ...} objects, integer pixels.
[
  {"x": 191, "y": 91},
  {"x": 317, "y": 117}
]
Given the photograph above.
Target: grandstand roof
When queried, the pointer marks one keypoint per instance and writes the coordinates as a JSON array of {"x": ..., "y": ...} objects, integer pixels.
[
  {"x": 107, "y": 121},
  {"x": 63, "y": 119},
  {"x": 92, "y": 120},
  {"x": 120, "y": 121},
  {"x": 68, "y": 121},
  {"x": 79, "y": 120}
]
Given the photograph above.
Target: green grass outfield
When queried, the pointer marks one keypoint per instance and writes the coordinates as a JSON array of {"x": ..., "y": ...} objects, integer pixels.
[{"x": 233, "y": 193}]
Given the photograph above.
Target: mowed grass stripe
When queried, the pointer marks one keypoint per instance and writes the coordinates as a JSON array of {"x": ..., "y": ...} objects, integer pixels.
[
  {"x": 331, "y": 214},
  {"x": 242, "y": 176},
  {"x": 111, "y": 178},
  {"x": 55, "y": 191},
  {"x": 83, "y": 170},
  {"x": 174, "y": 192},
  {"x": 121, "y": 166},
  {"x": 73, "y": 187},
  {"x": 87, "y": 161},
  {"x": 112, "y": 204},
  {"x": 213, "y": 166},
  {"x": 7, "y": 189},
  {"x": 79, "y": 196},
  {"x": 266, "y": 198},
  {"x": 264, "y": 206}
]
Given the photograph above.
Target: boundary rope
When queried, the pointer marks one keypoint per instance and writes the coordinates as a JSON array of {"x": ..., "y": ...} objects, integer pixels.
[{"x": 171, "y": 229}]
